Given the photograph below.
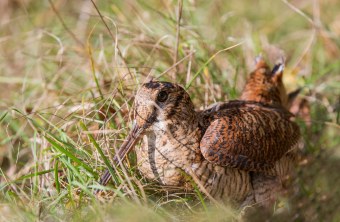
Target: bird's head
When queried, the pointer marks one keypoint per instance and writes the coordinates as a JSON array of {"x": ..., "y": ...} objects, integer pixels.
[
  {"x": 158, "y": 105},
  {"x": 159, "y": 102}
]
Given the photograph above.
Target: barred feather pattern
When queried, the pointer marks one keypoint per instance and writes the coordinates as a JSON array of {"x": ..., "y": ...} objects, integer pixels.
[
  {"x": 267, "y": 87},
  {"x": 177, "y": 139},
  {"x": 164, "y": 164},
  {"x": 248, "y": 137}
]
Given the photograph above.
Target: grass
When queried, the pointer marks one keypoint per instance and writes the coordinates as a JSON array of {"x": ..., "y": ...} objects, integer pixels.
[{"x": 68, "y": 76}]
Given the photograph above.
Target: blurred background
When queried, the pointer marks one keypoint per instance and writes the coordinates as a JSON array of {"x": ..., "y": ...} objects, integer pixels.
[{"x": 69, "y": 71}]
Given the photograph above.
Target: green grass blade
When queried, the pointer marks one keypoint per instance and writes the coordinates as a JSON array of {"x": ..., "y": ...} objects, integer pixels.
[
  {"x": 3, "y": 116},
  {"x": 70, "y": 155},
  {"x": 101, "y": 153},
  {"x": 56, "y": 176}
]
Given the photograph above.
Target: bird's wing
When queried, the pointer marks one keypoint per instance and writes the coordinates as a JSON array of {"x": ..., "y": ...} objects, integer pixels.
[{"x": 248, "y": 136}]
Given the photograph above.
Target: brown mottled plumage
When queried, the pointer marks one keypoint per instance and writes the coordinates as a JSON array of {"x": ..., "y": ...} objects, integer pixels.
[
  {"x": 265, "y": 85},
  {"x": 218, "y": 146},
  {"x": 249, "y": 138}
]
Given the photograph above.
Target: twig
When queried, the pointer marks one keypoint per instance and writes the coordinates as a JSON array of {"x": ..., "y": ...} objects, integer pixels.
[
  {"x": 297, "y": 10},
  {"x": 176, "y": 64},
  {"x": 179, "y": 16},
  {"x": 64, "y": 25},
  {"x": 209, "y": 60},
  {"x": 189, "y": 66},
  {"x": 314, "y": 25},
  {"x": 113, "y": 37}
]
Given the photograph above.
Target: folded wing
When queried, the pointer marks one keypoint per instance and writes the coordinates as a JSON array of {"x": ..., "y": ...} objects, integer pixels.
[{"x": 248, "y": 135}]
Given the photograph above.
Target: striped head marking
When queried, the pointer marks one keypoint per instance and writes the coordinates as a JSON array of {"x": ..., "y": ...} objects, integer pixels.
[{"x": 160, "y": 101}]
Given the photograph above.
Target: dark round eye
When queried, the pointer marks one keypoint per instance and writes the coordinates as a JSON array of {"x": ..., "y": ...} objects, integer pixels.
[{"x": 162, "y": 96}]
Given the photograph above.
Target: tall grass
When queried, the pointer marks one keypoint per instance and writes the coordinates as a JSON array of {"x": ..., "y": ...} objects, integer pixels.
[{"x": 69, "y": 72}]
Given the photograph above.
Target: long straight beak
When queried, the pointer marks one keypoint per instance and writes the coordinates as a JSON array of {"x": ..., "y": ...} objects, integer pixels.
[{"x": 124, "y": 149}]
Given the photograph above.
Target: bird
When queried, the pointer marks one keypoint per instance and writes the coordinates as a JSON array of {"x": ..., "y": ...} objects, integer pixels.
[
  {"x": 265, "y": 85},
  {"x": 218, "y": 146}
]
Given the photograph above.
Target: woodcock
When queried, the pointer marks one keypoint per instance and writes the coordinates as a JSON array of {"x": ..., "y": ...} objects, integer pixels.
[
  {"x": 266, "y": 86},
  {"x": 218, "y": 146}
]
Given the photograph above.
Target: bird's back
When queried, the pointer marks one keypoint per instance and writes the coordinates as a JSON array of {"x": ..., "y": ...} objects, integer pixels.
[{"x": 247, "y": 135}]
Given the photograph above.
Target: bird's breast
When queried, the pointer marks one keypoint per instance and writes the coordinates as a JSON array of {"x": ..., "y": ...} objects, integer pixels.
[{"x": 154, "y": 159}]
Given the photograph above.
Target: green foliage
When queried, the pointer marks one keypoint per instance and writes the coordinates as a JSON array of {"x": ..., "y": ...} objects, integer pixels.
[{"x": 68, "y": 82}]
